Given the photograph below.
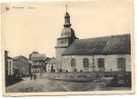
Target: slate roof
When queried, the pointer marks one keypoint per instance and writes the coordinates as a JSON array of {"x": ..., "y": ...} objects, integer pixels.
[{"x": 119, "y": 44}]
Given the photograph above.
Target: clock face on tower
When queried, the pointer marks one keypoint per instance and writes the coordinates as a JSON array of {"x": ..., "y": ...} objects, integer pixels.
[{"x": 63, "y": 41}]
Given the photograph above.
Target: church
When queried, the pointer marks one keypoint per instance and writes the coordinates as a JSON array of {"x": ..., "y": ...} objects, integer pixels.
[{"x": 101, "y": 54}]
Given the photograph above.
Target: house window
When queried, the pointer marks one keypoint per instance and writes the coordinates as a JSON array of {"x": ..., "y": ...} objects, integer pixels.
[
  {"x": 101, "y": 64},
  {"x": 121, "y": 63},
  {"x": 86, "y": 64},
  {"x": 73, "y": 62}
]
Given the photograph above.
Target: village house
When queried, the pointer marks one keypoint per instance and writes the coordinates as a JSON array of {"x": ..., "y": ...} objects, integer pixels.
[
  {"x": 21, "y": 63},
  {"x": 9, "y": 71},
  {"x": 11, "y": 74},
  {"x": 37, "y": 61},
  {"x": 51, "y": 65}
]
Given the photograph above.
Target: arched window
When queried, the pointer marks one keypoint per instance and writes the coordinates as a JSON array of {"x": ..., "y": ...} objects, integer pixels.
[
  {"x": 86, "y": 62},
  {"x": 73, "y": 62}
]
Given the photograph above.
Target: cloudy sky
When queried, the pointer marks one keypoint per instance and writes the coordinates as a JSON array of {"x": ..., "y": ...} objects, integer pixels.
[{"x": 36, "y": 26}]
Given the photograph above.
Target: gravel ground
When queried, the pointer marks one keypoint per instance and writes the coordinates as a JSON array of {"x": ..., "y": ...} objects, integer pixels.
[{"x": 44, "y": 85}]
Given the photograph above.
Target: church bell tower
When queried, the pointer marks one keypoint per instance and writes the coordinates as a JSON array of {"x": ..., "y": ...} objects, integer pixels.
[{"x": 65, "y": 40}]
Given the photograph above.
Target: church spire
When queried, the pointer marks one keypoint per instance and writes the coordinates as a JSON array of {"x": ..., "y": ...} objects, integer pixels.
[{"x": 67, "y": 18}]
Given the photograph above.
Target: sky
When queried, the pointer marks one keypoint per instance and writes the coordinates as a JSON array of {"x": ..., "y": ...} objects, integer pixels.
[{"x": 35, "y": 26}]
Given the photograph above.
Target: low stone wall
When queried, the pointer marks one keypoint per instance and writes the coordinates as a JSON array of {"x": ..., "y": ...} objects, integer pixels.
[
  {"x": 75, "y": 76},
  {"x": 84, "y": 76}
]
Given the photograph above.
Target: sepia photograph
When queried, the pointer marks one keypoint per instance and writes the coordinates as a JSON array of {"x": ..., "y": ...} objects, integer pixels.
[{"x": 68, "y": 47}]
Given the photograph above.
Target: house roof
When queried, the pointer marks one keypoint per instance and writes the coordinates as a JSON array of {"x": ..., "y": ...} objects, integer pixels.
[
  {"x": 119, "y": 44},
  {"x": 36, "y": 56},
  {"x": 20, "y": 57}
]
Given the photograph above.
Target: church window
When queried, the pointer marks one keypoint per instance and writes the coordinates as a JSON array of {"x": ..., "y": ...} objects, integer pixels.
[
  {"x": 121, "y": 63},
  {"x": 86, "y": 62},
  {"x": 75, "y": 70},
  {"x": 73, "y": 62},
  {"x": 101, "y": 64}
]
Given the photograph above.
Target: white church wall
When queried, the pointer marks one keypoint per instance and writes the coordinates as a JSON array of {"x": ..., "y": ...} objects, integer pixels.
[
  {"x": 79, "y": 62},
  {"x": 110, "y": 62},
  {"x": 128, "y": 63},
  {"x": 59, "y": 59}
]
